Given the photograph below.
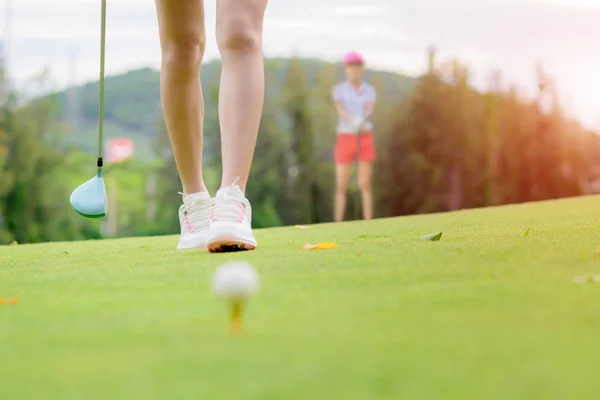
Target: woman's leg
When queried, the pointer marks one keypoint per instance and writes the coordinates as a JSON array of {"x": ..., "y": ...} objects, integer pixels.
[
  {"x": 365, "y": 172},
  {"x": 342, "y": 175},
  {"x": 241, "y": 97},
  {"x": 182, "y": 40}
]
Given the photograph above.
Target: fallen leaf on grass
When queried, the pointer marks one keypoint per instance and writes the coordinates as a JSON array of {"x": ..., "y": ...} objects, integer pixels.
[
  {"x": 320, "y": 246},
  {"x": 9, "y": 301},
  {"x": 598, "y": 253},
  {"x": 302, "y": 227},
  {"x": 581, "y": 279},
  {"x": 527, "y": 232},
  {"x": 433, "y": 237},
  {"x": 587, "y": 279}
]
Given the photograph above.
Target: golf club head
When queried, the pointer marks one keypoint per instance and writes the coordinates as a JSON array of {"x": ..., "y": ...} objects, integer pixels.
[{"x": 89, "y": 199}]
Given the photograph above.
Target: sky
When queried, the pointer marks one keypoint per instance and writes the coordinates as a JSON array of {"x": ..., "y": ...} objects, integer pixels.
[{"x": 488, "y": 35}]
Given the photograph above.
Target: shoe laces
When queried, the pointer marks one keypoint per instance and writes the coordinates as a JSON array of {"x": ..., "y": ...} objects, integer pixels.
[
  {"x": 196, "y": 212},
  {"x": 230, "y": 204}
]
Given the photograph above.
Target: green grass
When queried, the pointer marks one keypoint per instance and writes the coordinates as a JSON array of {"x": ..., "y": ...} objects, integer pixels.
[{"x": 485, "y": 313}]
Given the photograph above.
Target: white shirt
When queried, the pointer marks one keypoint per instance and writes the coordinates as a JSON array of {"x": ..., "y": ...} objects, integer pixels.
[{"x": 354, "y": 102}]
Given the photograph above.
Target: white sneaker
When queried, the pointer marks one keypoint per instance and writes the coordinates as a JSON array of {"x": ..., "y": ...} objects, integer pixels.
[
  {"x": 194, "y": 219},
  {"x": 231, "y": 222}
]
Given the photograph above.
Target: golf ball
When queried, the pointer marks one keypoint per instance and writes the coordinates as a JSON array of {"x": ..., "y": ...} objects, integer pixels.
[{"x": 235, "y": 281}]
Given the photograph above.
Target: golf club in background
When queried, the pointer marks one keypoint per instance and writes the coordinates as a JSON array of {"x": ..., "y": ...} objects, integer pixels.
[{"x": 89, "y": 199}]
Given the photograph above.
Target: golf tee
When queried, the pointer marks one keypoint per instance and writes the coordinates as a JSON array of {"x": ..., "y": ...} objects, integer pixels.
[{"x": 236, "y": 318}]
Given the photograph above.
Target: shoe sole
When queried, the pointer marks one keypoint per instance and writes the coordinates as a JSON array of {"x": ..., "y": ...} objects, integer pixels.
[
  {"x": 226, "y": 237},
  {"x": 229, "y": 244},
  {"x": 193, "y": 243}
]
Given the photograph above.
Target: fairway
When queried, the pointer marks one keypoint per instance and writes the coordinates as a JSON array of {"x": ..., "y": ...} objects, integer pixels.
[{"x": 487, "y": 312}]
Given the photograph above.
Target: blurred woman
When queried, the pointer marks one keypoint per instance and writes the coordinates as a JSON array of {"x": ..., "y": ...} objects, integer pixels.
[
  {"x": 354, "y": 101},
  {"x": 222, "y": 223}
]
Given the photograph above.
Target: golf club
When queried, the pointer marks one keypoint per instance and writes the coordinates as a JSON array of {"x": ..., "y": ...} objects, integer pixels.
[{"x": 89, "y": 199}]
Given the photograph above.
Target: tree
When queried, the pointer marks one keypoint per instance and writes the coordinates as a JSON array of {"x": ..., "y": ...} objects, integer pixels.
[
  {"x": 415, "y": 161},
  {"x": 6, "y": 176},
  {"x": 302, "y": 142},
  {"x": 35, "y": 205},
  {"x": 323, "y": 121}
]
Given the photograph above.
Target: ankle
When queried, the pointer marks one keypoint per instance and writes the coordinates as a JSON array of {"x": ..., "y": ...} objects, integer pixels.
[
  {"x": 194, "y": 189},
  {"x": 237, "y": 181}
]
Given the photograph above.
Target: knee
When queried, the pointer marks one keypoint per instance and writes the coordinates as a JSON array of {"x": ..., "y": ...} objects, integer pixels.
[
  {"x": 184, "y": 54},
  {"x": 239, "y": 33},
  {"x": 364, "y": 185},
  {"x": 341, "y": 188}
]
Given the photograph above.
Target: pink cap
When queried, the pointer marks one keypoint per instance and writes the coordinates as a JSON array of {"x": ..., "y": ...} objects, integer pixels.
[{"x": 353, "y": 58}]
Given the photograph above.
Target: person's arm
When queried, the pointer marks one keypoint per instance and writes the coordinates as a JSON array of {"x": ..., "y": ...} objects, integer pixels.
[
  {"x": 356, "y": 122},
  {"x": 369, "y": 108},
  {"x": 339, "y": 105},
  {"x": 370, "y": 104},
  {"x": 341, "y": 111}
]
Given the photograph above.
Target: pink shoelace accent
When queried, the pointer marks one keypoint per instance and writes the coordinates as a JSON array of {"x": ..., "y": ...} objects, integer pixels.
[
  {"x": 188, "y": 225},
  {"x": 242, "y": 215},
  {"x": 230, "y": 205},
  {"x": 196, "y": 213}
]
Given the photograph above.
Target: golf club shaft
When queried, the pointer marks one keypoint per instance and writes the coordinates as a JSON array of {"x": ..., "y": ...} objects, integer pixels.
[{"x": 101, "y": 104}]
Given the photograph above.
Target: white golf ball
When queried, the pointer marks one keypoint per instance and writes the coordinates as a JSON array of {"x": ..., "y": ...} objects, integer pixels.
[{"x": 235, "y": 281}]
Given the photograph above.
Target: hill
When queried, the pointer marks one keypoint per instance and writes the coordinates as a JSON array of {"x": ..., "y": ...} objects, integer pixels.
[
  {"x": 485, "y": 313},
  {"x": 133, "y": 100}
]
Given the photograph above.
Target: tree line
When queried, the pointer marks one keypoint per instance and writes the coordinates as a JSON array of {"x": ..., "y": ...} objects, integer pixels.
[{"x": 443, "y": 145}]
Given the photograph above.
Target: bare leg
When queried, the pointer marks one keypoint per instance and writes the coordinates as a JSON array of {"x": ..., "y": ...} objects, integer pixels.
[
  {"x": 365, "y": 172},
  {"x": 241, "y": 97},
  {"x": 182, "y": 40},
  {"x": 342, "y": 175}
]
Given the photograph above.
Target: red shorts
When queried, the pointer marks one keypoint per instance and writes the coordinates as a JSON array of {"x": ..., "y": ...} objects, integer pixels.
[{"x": 347, "y": 146}]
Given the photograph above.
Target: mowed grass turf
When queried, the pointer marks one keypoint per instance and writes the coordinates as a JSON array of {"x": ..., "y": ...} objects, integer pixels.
[{"x": 485, "y": 313}]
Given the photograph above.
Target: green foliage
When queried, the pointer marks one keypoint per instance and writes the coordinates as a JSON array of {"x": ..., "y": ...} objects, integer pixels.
[
  {"x": 132, "y": 100},
  {"x": 6, "y": 174},
  {"x": 296, "y": 100},
  {"x": 269, "y": 188},
  {"x": 452, "y": 147},
  {"x": 442, "y": 145},
  {"x": 35, "y": 187}
]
